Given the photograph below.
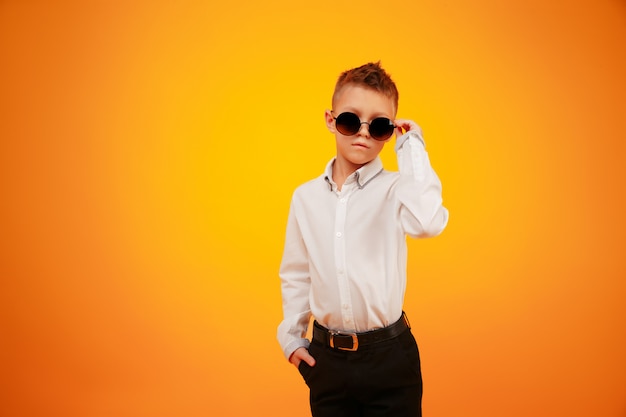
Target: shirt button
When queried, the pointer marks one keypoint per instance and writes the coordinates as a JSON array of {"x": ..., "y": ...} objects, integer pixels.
[
  {"x": 338, "y": 234},
  {"x": 345, "y": 306},
  {"x": 343, "y": 200}
]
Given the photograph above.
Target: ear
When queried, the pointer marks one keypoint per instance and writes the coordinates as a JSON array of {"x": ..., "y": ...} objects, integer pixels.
[{"x": 330, "y": 121}]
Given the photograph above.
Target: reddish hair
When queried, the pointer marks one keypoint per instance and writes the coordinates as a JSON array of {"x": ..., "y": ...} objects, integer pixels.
[{"x": 370, "y": 75}]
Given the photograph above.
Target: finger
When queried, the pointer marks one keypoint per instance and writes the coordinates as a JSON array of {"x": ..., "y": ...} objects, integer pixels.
[
  {"x": 310, "y": 360},
  {"x": 303, "y": 354},
  {"x": 407, "y": 125},
  {"x": 402, "y": 125}
]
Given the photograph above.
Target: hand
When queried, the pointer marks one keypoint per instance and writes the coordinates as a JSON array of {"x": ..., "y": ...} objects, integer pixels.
[
  {"x": 404, "y": 125},
  {"x": 299, "y": 355}
]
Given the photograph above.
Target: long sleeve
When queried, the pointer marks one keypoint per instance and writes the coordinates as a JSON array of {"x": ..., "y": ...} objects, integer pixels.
[
  {"x": 295, "y": 285},
  {"x": 419, "y": 189}
]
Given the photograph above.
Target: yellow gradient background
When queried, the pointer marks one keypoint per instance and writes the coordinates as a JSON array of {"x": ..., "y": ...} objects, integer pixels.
[{"x": 149, "y": 149}]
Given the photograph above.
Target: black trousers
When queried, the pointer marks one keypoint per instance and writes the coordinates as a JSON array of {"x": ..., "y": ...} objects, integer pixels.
[{"x": 383, "y": 379}]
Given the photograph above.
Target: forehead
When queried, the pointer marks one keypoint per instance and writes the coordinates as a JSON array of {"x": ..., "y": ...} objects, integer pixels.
[{"x": 363, "y": 100}]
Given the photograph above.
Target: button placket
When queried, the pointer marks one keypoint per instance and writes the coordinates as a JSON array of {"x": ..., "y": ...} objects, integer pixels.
[{"x": 340, "y": 258}]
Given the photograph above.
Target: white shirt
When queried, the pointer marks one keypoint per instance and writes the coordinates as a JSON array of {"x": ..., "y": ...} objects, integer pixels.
[{"x": 345, "y": 254}]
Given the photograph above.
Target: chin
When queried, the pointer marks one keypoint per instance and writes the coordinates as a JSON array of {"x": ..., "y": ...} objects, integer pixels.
[{"x": 361, "y": 161}]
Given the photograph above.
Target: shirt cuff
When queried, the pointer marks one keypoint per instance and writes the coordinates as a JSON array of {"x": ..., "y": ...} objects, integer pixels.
[
  {"x": 294, "y": 345},
  {"x": 417, "y": 134}
]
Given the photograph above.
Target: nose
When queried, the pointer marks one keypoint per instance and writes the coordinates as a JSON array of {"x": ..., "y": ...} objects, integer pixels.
[{"x": 366, "y": 132}]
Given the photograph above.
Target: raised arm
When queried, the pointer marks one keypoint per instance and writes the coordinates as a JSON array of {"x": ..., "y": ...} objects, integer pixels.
[{"x": 419, "y": 189}]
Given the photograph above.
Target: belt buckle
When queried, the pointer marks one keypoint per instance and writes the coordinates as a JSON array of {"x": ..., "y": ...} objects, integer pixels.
[{"x": 355, "y": 341}]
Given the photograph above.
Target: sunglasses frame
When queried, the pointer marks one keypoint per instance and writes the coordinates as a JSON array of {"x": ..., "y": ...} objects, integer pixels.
[{"x": 361, "y": 123}]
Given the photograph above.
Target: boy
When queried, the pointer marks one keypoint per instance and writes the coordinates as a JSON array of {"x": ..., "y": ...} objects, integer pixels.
[{"x": 344, "y": 261}]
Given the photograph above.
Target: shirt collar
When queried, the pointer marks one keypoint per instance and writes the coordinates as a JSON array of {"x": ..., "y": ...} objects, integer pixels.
[{"x": 361, "y": 176}]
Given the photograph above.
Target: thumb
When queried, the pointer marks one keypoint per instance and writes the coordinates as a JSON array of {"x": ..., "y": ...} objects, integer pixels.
[{"x": 308, "y": 359}]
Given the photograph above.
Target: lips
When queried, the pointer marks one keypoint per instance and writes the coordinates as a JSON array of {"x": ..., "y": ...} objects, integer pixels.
[{"x": 360, "y": 145}]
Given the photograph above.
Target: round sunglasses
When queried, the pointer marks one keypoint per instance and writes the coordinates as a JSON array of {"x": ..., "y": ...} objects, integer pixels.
[{"x": 349, "y": 124}]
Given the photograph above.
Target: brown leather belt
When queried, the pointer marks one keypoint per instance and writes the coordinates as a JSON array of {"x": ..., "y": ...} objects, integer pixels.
[{"x": 352, "y": 341}]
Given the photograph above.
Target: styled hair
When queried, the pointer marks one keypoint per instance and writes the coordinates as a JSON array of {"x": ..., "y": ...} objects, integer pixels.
[{"x": 370, "y": 75}]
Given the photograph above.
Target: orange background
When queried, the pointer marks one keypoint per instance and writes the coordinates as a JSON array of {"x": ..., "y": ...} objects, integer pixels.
[{"x": 149, "y": 150}]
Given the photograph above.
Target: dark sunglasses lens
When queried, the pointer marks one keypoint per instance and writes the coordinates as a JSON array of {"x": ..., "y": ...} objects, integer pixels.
[
  {"x": 381, "y": 128},
  {"x": 348, "y": 123}
]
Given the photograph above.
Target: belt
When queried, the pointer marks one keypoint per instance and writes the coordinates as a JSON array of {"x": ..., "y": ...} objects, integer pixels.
[{"x": 352, "y": 341}]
